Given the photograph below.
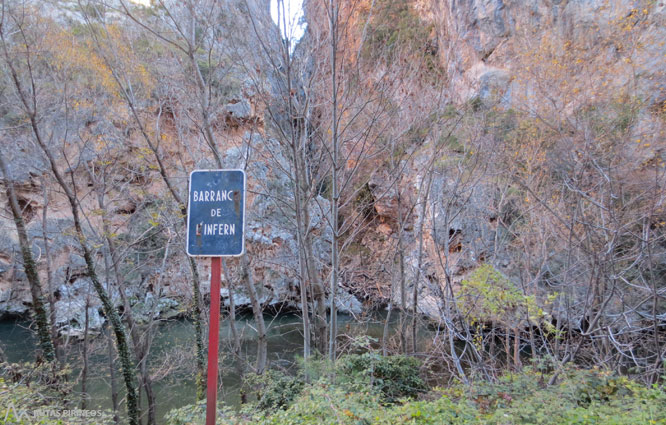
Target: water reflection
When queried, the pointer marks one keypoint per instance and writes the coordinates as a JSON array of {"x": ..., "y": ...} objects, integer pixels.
[{"x": 172, "y": 355}]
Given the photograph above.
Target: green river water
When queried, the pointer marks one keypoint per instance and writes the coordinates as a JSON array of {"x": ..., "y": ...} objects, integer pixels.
[{"x": 172, "y": 356}]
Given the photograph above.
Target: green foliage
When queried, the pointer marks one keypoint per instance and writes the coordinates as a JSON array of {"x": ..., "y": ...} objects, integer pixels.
[
  {"x": 392, "y": 377},
  {"x": 475, "y": 104},
  {"x": 274, "y": 389},
  {"x": 611, "y": 119},
  {"x": 357, "y": 249},
  {"x": 395, "y": 28},
  {"x": 196, "y": 414},
  {"x": 31, "y": 394},
  {"x": 581, "y": 397},
  {"x": 365, "y": 201},
  {"x": 502, "y": 123},
  {"x": 489, "y": 296},
  {"x": 317, "y": 367},
  {"x": 452, "y": 143},
  {"x": 416, "y": 135},
  {"x": 322, "y": 403}
]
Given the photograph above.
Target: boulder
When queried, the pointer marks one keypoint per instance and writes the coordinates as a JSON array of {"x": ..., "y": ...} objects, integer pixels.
[
  {"x": 239, "y": 110},
  {"x": 70, "y": 317},
  {"x": 494, "y": 88},
  {"x": 347, "y": 303}
]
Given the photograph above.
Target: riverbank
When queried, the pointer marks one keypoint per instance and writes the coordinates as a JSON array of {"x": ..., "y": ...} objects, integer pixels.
[
  {"x": 171, "y": 359},
  {"x": 372, "y": 389}
]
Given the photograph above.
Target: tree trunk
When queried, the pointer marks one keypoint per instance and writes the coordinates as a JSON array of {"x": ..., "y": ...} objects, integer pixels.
[
  {"x": 39, "y": 312},
  {"x": 419, "y": 262},
  {"x": 84, "y": 371},
  {"x": 112, "y": 379},
  {"x": 335, "y": 196},
  {"x": 197, "y": 313},
  {"x": 148, "y": 388},
  {"x": 49, "y": 276},
  {"x": 403, "y": 291},
  {"x": 246, "y": 277},
  {"x": 318, "y": 295},
  {"x": 112, "y": 369},
  {"x": 198, "y": 331},
  {"x": 209, "y": 136},
  {"x": 507, "y": 346},
  {"x": 240, "y": 368},
  {"x": 387, "y": 321},
  {"x": 301, "y": 230},
  {"x": 516, "y": 348}
]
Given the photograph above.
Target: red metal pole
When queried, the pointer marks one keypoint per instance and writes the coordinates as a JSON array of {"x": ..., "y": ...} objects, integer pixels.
[{"x": 213, "y": 339}]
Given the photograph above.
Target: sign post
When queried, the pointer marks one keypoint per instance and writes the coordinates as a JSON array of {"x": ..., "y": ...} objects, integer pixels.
[
  {"x": 215, "y": 228},
  {"x": 213, "y": 340}
]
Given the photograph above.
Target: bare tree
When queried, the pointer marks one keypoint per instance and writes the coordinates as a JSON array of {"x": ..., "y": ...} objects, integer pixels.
[
  {"x": 39, "y": 311},
  {"x": 25, "y": 86}
]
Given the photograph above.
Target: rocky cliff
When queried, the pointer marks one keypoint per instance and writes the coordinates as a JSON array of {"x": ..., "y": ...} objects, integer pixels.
[
  {"x": 116, "y": 173},
  {"x": 489, "y": 127},
  {"x": 508, "y": 113}
]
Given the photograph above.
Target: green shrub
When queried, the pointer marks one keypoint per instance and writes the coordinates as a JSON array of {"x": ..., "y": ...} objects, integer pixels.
[
  {"x": 31, "y": 394},
  {"x": 322, "y": 403},
  {"x": 196, "y": 414},
  {"x": 580, "y": 397},
  {"x": 393, "y": 377},
  {"x": 489, "y": 296},
  {"x": 274, "y": 389},
  {"x": 395, "y": 28}
]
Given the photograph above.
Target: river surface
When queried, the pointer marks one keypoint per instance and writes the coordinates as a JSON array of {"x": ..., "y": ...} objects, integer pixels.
[{"x": 172, "y": 356}]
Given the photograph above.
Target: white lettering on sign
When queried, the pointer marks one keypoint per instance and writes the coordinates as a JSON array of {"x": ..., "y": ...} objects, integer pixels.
[
  {"x": 219, "y": 229},
  {"x": 212, "y": 195},
  {"x": 216, "y": 213}
]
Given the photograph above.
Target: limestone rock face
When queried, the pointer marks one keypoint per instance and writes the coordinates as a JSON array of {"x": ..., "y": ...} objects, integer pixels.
[
  {"x": 138, "y": 202},
  {"x": 240, "y": 110},
  {"x": 479, "y": 47},
  {"x": 71, "y": 308},
  {"x": 270, "y": 229},
  {"x": 487, "y": 48}
]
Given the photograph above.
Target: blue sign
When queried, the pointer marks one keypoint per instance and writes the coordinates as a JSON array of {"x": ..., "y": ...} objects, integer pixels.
[{"x": 216, "y": 213}]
